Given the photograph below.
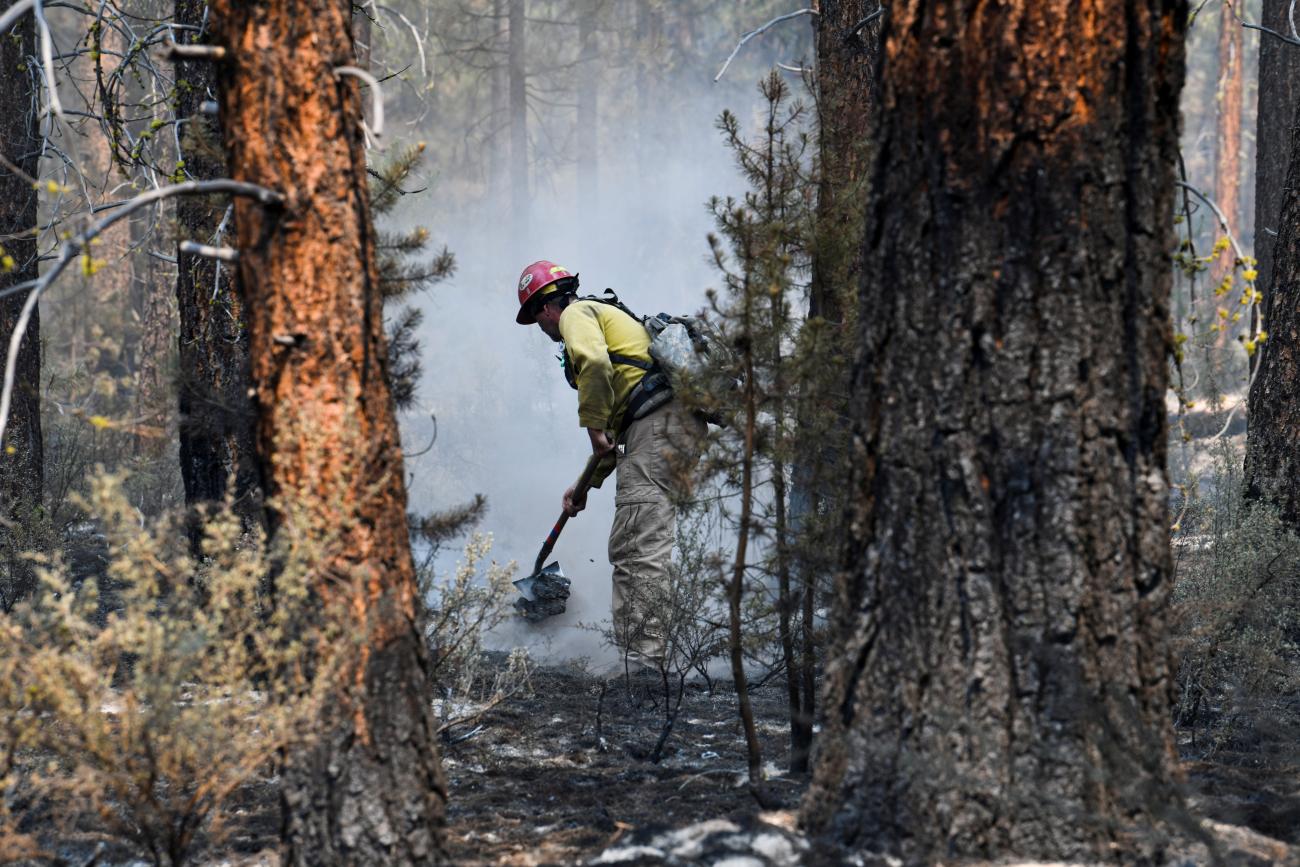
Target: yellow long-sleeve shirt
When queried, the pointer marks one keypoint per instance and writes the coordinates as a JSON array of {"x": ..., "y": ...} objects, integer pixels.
[{"x": 591, "y": 331}]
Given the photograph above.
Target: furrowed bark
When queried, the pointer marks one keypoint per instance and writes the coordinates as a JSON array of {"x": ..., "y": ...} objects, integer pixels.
[
  {"x": 1279, "y": 97},
  {"x": 216, "y": 418},
  {"x": 847, "y": 37},
  {"x": 22, "y": 464},
  {"x": 371, "y": 790},
  {"x": 1273, "y": 437},
  {"x": 1000, "y": 683}
]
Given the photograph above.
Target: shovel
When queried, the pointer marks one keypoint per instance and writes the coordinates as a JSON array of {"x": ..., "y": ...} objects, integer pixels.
[{"x": 545, "y": 590}]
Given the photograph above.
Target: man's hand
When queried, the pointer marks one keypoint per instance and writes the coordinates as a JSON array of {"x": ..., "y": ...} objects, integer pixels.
[
  {"x": 573, "y": 504},
  {"x": 601, "y": 444}
]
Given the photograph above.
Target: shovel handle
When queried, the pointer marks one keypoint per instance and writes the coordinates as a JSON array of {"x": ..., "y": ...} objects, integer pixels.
[{"x": 584, "y": 482}]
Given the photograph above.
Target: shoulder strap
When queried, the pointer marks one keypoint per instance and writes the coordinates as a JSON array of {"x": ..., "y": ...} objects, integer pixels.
[{"x": 611, "y": 298}]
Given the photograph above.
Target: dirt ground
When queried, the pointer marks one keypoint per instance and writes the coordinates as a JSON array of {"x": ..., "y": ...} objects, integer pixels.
[
  {"x": 547, "y": 782},
  {"x": 560, "y": 777}
]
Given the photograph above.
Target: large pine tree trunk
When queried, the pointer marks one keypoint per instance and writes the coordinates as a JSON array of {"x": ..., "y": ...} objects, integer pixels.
[
  {"x": 21, "y": 460},
  {"x": 216, "y": 418},
  {"x": 1273, "y": 438},
  {"x": 1279, "y": 98},
  {"x": 371, "y": 791},
  {"x": 1000, "y": 681}
]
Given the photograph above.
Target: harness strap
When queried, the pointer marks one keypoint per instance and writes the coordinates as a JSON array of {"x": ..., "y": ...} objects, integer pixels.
[{"x": 631, "y": 362}]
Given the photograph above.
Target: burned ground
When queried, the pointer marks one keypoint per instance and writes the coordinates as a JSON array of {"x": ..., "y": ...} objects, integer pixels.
[
  {"x": 547, "y": 782},
  {"x": 559, "y": 776}
]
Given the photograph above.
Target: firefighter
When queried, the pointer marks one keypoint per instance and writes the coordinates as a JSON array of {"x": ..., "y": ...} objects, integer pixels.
[{"x": 623, "y": 400}]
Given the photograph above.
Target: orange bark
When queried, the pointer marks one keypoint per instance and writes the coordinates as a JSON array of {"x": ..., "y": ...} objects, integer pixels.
[
  {"x": 372, "y": 790},
  {"x": 1227, "y": 141}
]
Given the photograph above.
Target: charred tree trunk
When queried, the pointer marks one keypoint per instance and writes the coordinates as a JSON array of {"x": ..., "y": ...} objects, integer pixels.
[
  {"x": 1273, "y": 437},
  {"x": 847, "y": 35},
  {"x": 1279, "y": 99},
  {"x": 22, "y": 464},
  {"x": 216, "y": 418},
  {"x": 370, "y": 790},
  {"x": 1000, "y": 682},
  {"x": 519, "y": 198}
]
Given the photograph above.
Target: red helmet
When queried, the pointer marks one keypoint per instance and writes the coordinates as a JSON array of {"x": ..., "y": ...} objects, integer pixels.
[{"x": 536, "y": 278}]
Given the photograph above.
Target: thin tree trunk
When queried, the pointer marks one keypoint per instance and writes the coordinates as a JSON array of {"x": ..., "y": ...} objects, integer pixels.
[
  {"x": 519, "y": 198},
  {"x": 846, "y": 96},
  {"x": 800, "y": 724},
  {"x": 1000, "y": 683},
  {"x": 650, "y": 115},
  {"x": 735, "y": 591},
  {"x": 363, "y": 32},
  {"x": 588, "y": 131},
  {"x": 1273, "y": 437},
  {"x": 499, "y": 82},
  {"x": 216, "y": 419},
  {"x": 22, "y": 464},
  {"x": 150, "y": 355},
  {"x": 371, "y": 790},
  {"x": 1227, "y": 140}
]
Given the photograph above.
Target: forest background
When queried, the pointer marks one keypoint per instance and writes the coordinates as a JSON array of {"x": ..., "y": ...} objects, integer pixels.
[{"x": 593, "y": 133}]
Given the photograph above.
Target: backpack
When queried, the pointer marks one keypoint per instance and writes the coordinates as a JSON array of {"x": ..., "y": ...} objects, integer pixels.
[{"x": 687, "y": 353}]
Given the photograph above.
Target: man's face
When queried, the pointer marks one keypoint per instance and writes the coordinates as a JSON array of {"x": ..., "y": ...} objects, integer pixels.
[{"x": 548, "y": 319}]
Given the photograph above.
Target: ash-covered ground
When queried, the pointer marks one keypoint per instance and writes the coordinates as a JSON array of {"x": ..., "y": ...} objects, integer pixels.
[
  {"x": 560, "y": 775},
  {"x": 563, "y": 776}
]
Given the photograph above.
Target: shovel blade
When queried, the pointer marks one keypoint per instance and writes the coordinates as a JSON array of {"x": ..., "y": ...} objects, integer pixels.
[{"x": 544, "y": 594}]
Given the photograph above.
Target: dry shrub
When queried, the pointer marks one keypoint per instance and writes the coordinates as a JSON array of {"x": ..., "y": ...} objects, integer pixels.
[
  {"x": 466, "y": 606},
  {"x": 1238, "y": 576},
  {"x": 135, "y": 715}
]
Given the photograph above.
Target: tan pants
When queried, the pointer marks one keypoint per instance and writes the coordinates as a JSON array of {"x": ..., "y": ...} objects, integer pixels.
[{"x": 655, "y": 469}]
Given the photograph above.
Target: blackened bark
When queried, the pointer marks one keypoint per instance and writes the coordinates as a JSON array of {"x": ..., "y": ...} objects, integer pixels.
[
  {"x": 216, "y": 418},
  {"x": 1279, "y": 99},
  {"x": 371, "y": 790},
  {"x": 1000, "y": 682},
  {"x": 517, "y": 73},
  {"x": 1273, "y": 437},
  {"x": 847, "y": 34},
  {"x": 22, "y": 464}
]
